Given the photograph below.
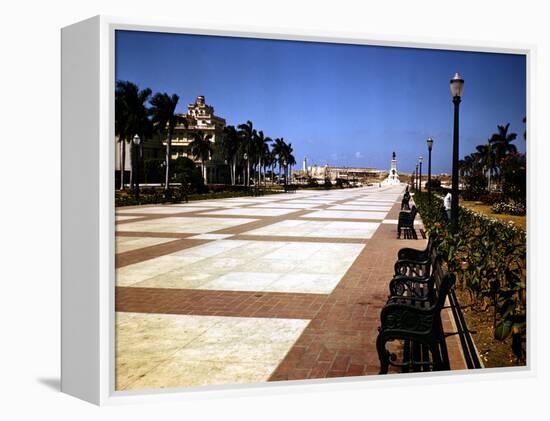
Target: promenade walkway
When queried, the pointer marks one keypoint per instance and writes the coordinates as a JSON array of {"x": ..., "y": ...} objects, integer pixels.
[{"x": 246, "y": 290}]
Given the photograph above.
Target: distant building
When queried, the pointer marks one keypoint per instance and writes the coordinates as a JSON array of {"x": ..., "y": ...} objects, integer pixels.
[
  {"x": 200, "y": 117},
  {"x": 351, "y": 174}
]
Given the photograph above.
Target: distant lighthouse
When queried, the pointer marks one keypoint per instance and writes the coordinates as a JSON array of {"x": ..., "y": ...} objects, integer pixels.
[{"x": 304, "y": 165}]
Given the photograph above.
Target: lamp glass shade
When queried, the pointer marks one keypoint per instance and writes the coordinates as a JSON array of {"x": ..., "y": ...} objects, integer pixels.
[
  {"x": 420, "y": 159},
  {"x": 136, "y": 140},
  {"x": 430, "y": 143},
  {"x": 457, "y": 85}
]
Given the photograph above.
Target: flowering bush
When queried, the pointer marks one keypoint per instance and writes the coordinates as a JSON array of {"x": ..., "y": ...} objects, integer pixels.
[
  {"x": 488, "y": 258},
  {"x": 491, "y": 198},
  {"x": 509, "y": 208}
]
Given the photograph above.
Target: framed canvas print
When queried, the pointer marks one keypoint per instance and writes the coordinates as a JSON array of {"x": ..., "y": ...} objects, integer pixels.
[{"x": 263, "y": 210}]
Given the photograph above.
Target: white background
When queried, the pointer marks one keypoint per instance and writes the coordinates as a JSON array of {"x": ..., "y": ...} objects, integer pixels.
[{"x": 30, "y": 222}]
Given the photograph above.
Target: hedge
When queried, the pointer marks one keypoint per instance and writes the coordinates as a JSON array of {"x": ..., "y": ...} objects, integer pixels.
[{"x": 489, "y": 258}]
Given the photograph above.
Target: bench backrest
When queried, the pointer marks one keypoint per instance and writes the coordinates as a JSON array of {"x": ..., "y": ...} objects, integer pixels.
[
  {"x": 445, "y": 285},
  {"x": 440, "y": 280},
  {"x": 432, "y": 243},
  {"x": 413, "y": 213}
]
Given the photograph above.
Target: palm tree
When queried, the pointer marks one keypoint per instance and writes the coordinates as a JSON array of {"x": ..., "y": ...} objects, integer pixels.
[
  {"x": 165, "y": 119},
  {"x": 230, "y": 148},
  {"x": 271, "y": 160},
  {"x": 260, "y": 150},
  {"x": 502, "y": 142},
  {"x": 289, "y": 159},
  {"x": 278, "y": 151},
  {"x": 247, "y": 134},
  {"x": 467, "y": 165},
  {"x": 268, "y": 163},
  {"x": 130, "y": 117},
  {"x": 201, "y": 148},
  {"x": 486, "y": 157}
]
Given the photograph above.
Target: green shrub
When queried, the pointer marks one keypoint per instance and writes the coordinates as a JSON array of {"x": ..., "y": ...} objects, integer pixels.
[
  {"x": 153, "y": 171},
  {"x": 489, "y": 259},
  {"x": 186, "y": 173},
  {"x": 491, "y": 198},
  {"x": 475, "y": 186},
  {"x": 514, "y": 177}
]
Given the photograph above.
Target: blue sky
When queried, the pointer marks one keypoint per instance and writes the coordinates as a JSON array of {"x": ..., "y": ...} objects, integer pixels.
[{"x": 337, "y": 104}]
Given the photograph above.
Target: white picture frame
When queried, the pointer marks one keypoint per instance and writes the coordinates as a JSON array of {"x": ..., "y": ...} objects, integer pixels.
[{"x": 88, "y": 210}]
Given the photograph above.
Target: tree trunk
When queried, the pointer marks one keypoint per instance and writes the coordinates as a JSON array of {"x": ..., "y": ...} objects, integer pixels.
[{"x": 259, "y": 175}]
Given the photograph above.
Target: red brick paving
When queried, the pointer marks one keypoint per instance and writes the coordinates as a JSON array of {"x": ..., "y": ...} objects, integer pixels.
[
  {"x": 139, "y": 255},
  {"x": 219, "y": 303},
  {"x": 340, "y": 340}
]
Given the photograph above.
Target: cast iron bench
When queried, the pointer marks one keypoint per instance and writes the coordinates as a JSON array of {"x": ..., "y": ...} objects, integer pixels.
[
  {"x": 406, "y": 223},
  {"x": 413, "y": 262},
  {"x": 405, "y": 201},
  {"x": 415, "y": 319}
]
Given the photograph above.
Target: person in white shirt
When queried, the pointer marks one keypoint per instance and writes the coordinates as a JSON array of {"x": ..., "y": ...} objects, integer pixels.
[{"x": 447, "y": 205}]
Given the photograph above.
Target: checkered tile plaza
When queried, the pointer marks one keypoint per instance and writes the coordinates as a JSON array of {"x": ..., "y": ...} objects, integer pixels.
[{"x": 247, "y": 290}]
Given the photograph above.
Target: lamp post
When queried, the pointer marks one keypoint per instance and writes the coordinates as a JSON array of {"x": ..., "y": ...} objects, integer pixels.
[
  {"x": 416, "y": 177},
  {"x": 284, "y": 166},
  {"x": 135, "y": 164},
  {"x": 245, "y": 179},
  {"x": 420, "y": 174},
  {"x": 457, "y": 87},
  {"x": 430, "y": 143}
]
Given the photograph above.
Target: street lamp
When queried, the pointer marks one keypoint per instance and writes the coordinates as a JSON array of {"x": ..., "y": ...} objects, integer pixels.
[
  {"x": 245, "y": 181},
  {"x": 420, "y": 174},
  {"x": 430, "y": 143},
  {"x": 136, "y": 140},
  {"x": 284, "y": 166},
  {"x": 457, "y": 87},
  {"x": 416, "y": 177}
]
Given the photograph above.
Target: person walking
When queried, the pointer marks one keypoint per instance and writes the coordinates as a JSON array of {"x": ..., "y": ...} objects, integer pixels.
[{"x": 447, "y": 205}]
